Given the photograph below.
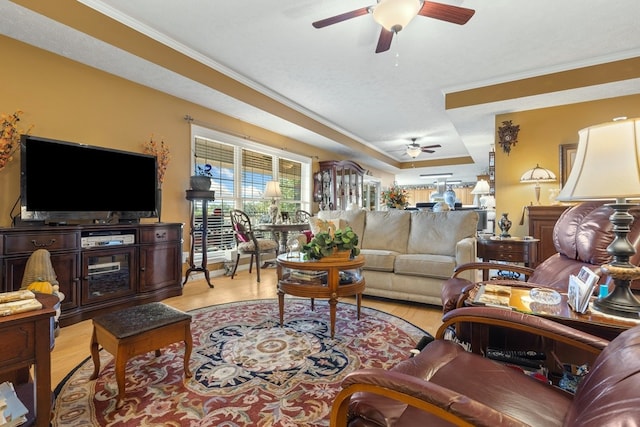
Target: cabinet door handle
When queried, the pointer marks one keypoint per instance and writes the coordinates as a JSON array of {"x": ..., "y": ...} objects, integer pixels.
[
  {"x": 43, "y": 245},
  {"x": 162, "y": 235}
]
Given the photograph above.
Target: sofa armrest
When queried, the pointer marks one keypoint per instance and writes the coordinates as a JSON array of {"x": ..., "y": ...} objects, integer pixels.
[
  {"x": 395, "y": 390},
  {"x": 466, "y": 252},
  {"x": 518, "y": 321}
]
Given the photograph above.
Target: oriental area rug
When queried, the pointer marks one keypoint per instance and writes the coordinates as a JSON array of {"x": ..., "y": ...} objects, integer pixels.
[{"x": 247, "y": 370}]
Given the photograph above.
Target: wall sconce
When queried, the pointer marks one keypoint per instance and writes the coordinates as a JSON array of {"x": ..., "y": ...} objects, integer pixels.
[{"x": 508, "y": 135}]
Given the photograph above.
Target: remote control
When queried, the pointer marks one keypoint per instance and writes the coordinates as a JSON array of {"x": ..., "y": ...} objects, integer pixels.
[
  {"x": 501, "y": 356},
  {"x": 526, "y": 354}
]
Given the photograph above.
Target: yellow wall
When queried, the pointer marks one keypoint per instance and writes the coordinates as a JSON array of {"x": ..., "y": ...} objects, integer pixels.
[
  {"x": 541, "y": 133},
  {"x": 69, "y": 101}
]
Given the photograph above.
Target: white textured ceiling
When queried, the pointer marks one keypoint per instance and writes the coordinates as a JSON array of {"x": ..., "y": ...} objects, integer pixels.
[{"x": 333, "y": 75}]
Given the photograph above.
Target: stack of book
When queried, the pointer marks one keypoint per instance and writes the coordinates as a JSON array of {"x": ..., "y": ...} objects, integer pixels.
[
  {"x": 494, "y": 295},
  {"x": 12, "y": 410},
  {"x": 309, "y": 277},
  {"x": 18, "y": 302}
]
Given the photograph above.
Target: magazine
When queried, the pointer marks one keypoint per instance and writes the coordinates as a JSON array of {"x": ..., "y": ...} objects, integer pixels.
[{"x": 581, "y": 288}]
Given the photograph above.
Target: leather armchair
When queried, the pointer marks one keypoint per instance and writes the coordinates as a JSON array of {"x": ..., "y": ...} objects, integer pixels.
[
  {"x": 581, "y": 236},
  {"x": 445, "y": 385}
]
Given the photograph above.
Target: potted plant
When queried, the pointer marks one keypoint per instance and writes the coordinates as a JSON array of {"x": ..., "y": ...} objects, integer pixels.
[
  {"x": 201, "y": 181},
  {"x": 331, "y": 244}
]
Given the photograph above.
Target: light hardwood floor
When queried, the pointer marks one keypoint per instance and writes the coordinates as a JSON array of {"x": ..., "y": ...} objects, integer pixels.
[{"x": 72, "y": 344}]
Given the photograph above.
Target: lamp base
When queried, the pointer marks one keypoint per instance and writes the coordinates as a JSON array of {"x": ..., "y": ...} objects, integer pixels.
[{"x": 621, "y": 301}]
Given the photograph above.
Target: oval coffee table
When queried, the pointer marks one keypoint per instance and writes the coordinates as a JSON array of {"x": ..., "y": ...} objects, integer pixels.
[{"x": 320, "y": 279}]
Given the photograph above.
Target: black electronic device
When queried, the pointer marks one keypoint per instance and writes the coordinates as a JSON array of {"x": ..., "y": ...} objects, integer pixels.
[{"x": 68, "y": 182}]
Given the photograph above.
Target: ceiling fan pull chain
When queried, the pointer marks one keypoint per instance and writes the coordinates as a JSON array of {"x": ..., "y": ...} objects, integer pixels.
[{"x": 397, "y": 63}]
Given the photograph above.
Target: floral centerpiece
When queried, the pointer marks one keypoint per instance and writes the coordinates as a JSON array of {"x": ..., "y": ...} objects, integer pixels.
[
  {"x": 327, "y": 243},
  {"x": 10, "y": 136},
  {"x": 161, "y": 151},
  {"x": 395, "y": 197}
]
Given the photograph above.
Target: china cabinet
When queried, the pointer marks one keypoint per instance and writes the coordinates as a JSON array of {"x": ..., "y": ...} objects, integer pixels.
[{"x": 338, "y": 184}]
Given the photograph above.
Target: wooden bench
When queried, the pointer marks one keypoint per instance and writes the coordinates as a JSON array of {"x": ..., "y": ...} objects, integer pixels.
[{"x": 137, "y": 330}]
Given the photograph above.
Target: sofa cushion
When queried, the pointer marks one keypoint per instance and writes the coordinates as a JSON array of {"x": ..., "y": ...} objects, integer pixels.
[
  {"x": 378, "y": 259},
  {"x": 440, "y": 231},
  {"x": 425, "y": 265},
  {"x": 387, "y": 230},
  {"x": 354, "y": 218}
]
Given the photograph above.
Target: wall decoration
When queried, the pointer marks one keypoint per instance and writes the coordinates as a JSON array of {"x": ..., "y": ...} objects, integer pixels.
[
  {"x": 567, "y": 156},
  {"x": 508, "y": 135}
]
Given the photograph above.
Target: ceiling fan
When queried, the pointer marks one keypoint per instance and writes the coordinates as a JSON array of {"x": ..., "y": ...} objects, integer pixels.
[
  {"x": 414, "y": 149},
  {"x": 394, "y": 15}
]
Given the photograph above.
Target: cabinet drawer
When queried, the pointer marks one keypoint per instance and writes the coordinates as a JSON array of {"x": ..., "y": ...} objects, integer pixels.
[
  {"x": 159, "y": 234},
  {"x": 18, "y": 344},
  {"x": 25, "y": 243}
]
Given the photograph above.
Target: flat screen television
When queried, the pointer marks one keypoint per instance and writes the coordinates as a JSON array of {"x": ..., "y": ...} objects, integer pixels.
[{"x": 67, "y": 182}]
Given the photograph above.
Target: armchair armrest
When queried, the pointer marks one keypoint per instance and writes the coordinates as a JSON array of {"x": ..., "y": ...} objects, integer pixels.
[
  {"x": 492, "y": 266},
  {"x": 403, "y": 389},
  {"x": 525, "y": 323}
]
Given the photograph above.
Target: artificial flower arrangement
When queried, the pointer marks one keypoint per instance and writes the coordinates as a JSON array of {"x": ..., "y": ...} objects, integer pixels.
[
  {"x": 326, "y": 243},
  {"x": 10, "y": 136},
  {"x": 161, "y": 151},
  {"x": 395, "y": 197}
]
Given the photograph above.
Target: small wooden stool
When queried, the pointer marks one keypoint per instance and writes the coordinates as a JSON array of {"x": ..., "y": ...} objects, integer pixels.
[{"x": 137, "y": 330}]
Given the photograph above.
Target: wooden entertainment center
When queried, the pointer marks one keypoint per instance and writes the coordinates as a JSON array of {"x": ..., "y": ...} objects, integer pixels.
[{"x": 99, "y": 268}]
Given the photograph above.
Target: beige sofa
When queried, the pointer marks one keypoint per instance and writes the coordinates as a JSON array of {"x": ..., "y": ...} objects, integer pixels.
[{"x": 410, "y": 253}]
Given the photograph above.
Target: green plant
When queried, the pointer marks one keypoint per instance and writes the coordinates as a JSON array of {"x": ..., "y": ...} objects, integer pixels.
[{"x": 326, "y": 243}]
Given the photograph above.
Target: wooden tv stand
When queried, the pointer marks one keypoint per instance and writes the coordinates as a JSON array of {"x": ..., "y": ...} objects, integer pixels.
[{"x": 140, "y": 263}]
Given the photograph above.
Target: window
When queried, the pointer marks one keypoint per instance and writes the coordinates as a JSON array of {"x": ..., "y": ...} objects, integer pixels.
[{"x": 239, "y": 171}]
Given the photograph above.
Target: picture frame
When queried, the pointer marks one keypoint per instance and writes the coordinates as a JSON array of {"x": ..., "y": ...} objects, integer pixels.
[{"x": 567, "y": 157}]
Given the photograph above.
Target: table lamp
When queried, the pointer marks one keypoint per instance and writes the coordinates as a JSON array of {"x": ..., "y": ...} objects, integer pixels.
[
  {"x": 482, "y": 188},
  {"x": 537, "y": 175},
  {"x": 607, "y": 167},
  {"x": 272, "y": 190}
]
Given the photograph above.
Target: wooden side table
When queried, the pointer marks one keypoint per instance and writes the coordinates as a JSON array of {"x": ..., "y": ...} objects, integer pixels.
[
  {"x": 330, "y": 288},
  {"x": 27, "y": 339},
  {"x": 510, "y": 249}
]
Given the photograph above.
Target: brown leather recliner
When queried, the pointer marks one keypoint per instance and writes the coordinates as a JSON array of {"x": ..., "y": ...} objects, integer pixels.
[
  {"x": 445, "y": 385},
  {"x": 581, "y": 236}
]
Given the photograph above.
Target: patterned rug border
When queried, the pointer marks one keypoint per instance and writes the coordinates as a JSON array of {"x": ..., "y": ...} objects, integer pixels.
[{"x": 413, "y": 332}]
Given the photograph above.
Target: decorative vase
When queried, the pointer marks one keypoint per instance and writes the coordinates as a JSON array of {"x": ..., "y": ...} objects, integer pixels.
[
  {"x": 450, "y": 198},
  {"x": 159, "y": 203},
  {"x": 200, "y": 182},
  {"x": 505, "y": 225}
]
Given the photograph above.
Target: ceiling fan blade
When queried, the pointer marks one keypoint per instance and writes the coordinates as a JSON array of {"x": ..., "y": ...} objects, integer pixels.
[
  {"x": 426, "y": 147},
  {"x": 342, "y": 17},
  {"x": 445, "y": 12},
  {"x": 384, "y": 42}
]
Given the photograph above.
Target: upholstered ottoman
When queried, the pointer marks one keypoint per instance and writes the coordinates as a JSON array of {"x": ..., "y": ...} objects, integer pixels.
[{"x": 137, "y": 330}]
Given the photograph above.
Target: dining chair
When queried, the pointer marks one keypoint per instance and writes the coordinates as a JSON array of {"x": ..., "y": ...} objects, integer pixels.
[{"x": 247, "y": 242}]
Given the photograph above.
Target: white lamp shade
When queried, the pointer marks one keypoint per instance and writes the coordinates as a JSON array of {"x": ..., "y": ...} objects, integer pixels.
[
  {"x": 482, "y": 187},
  {"x": 607, "y": 163},
  {"x": 537, "y": 174},
  {"x": 394, "y": 15},
  {"x": 272, "y": 190}
]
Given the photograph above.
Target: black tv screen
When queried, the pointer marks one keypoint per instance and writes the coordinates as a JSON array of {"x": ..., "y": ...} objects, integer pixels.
[{"x": 66, "y": 180}]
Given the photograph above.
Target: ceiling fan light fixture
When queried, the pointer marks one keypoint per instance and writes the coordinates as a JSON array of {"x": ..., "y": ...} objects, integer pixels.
[
  {"x": 413, "y": 150},
  {"x": 394, "y": 15}
]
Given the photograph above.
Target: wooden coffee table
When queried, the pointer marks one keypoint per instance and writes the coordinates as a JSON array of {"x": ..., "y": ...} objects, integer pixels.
[{"x": 320, "y": 279}]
